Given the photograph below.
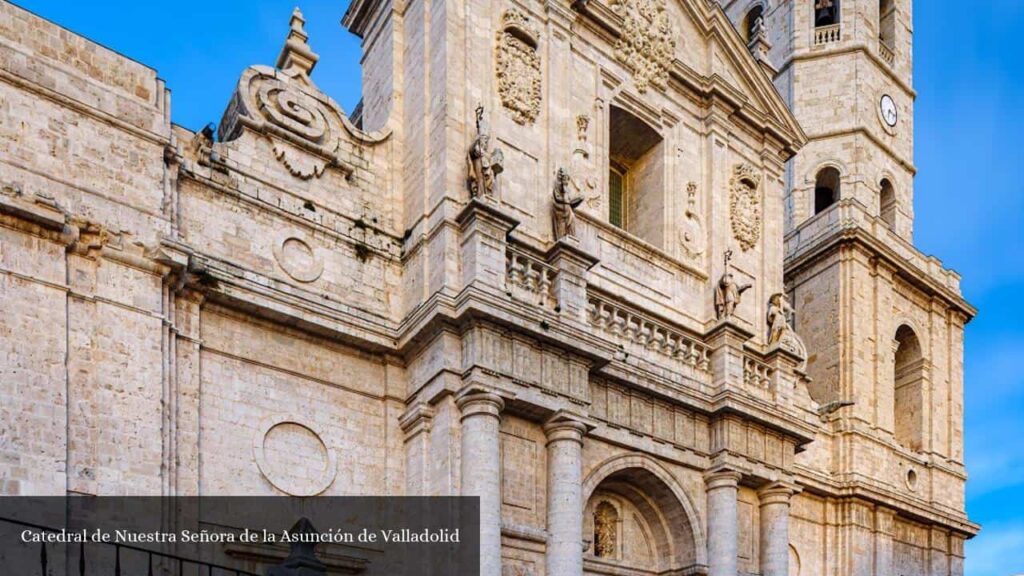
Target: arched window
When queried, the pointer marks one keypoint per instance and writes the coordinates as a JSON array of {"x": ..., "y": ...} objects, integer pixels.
[
  {"x": 826, "y": 189},
  {"x": 908, "y": 377},
  {"x": 753, "y": 23},
  {"x": 887, "y": 204},
  {"x": 887, "y": 23},
  {"x": 826, "y": 12},
  {"x": 606, "y": 520}
]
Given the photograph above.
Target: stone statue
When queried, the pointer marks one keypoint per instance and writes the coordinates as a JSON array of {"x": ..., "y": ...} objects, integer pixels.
[
  {"x": 779, "y": 318},
  {"x": 728, "y": 292},
  {"x": 780, "y": 328},
  {"x": 563, "y": 213},
  {"x": 484, "y": 162}
]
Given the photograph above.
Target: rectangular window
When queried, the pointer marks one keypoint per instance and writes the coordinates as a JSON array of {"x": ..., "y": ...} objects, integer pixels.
[{"x": 615, "y": 199}]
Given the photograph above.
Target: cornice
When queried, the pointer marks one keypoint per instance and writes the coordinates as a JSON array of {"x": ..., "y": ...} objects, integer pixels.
[{"x": 851, "y": 232}]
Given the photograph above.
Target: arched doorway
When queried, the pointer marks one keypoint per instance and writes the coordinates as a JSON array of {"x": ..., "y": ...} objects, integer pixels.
[{"x": 638, "y": 521}]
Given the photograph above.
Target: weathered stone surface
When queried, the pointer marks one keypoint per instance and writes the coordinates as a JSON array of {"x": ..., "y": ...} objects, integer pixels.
[{"x": 312, "y": 303}]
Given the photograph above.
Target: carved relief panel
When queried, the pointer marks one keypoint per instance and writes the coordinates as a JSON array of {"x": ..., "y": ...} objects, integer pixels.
[
  {"x": 519, "y": 73},
  {"x": 745, "y": 205},
  {"x": 647, "y": 45}
]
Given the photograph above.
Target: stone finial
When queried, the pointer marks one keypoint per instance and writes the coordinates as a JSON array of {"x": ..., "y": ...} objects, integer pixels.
[
  {"x": 302, "y": 560},
  {"x": 296, "y": 56}
]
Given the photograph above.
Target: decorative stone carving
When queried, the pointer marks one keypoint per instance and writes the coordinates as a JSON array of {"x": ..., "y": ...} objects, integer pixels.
[
  {"x": 484, "y": 162},
  {"x": 745, "y": 205},
  {"x": 305, "y": 127},
  {"x": 691, "y": 232},
  {"x": 582, "y": 128},
  {"x": 780, "y": 326},
  {"x": 519, "y": 73},
  {"x": 298, "y": 259},
  {"x": 581, "y": 171},
  {"x": 566, "y": 200},
  {"x": 293, "y": 457},
  {"x": 728, "y": 293},
  {"x": 606, "y": 521},
  {"x": 647, "y": 44}
]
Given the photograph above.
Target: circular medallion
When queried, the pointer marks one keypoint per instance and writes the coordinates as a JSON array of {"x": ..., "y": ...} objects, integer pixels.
[
  {"x": 298, "y": 260},
  {"x": 293, "y": 457}
]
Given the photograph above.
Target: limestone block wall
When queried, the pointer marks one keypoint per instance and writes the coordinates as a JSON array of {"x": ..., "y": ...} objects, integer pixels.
[
  {"x": 319, "y": 418},
  {"x": 81, "y": 145},
  {"x": 557, "y": 117}
]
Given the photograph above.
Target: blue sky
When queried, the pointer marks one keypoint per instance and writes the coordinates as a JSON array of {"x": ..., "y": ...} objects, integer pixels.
[{"x": 969, "y": 191}]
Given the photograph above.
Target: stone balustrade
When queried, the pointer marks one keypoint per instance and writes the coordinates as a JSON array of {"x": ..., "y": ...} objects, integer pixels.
[
  {"x": 529, "y": 279},
  {"x": 757, "y": 374},
  {"x": 849, "y": 214},
  {"x": 886, "y": 53},
  {"x": 828, "y": 34},
  {"x": 638, "y": 331}
]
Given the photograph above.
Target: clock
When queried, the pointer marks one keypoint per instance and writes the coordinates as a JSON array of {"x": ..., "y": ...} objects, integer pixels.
[{"x": 887, "y": 110}]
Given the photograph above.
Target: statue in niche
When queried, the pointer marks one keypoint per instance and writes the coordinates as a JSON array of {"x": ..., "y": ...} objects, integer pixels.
[
  {"x": 563, "y": 213},
  {"x": 606, "y": 519},
  {"x": 484, "y": 162},
  {"x": 728, "y": 293},
  {"x": 691, "y": 232}
]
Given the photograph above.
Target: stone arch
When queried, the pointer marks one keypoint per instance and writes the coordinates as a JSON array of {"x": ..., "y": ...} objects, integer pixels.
[
  {"x": 909, "y": 382},
  {"x": 754, "y": 11},
  {"x": 887, "y": 202},
  {"x": 795, "y": 566},
  {"x": 659, "y": 497},
  {"x": 827, "y": 188}
]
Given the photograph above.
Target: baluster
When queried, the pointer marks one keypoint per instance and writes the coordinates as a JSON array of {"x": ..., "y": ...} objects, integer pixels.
[
  {"x": 545, "y": 286},
  {"x": 81, "y": 560},
  {"x": 42, "y": 557},
  {"x": 117, "y": 560},
  {"x": 150, "y": 572}
]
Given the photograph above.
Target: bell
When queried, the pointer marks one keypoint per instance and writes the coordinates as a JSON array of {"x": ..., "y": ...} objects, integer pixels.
[{"x": 826, "y": 12}]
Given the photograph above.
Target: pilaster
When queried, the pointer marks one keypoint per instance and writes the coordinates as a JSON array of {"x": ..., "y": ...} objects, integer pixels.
[
  {"x": 570, "y": 286},
  {"x": 485, "y": 228}
]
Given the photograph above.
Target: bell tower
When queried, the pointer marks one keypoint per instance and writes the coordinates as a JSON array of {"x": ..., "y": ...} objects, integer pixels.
[
  {"x": 846, "y": 69},
  {"x": 883, "y": 322}
]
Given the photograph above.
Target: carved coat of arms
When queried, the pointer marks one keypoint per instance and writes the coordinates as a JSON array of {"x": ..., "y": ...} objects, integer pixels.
[
  {"x": 745, "y": 205},
  {"x": 519, "y": 74},
  {"x": 647, "y": 44}
]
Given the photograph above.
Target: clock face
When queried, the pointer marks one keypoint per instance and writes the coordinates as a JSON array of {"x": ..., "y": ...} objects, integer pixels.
[{"x": 887, "y": 107}]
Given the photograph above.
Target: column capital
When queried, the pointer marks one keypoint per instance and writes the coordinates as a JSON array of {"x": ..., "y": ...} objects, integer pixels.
[
  {"x": 474, "y": 402},
  {"x": 565, "y": 426},
  {"x": 716, "y": 479},
  {"x": 418, "y": 418},
  {"x": 776, "y": 493}
]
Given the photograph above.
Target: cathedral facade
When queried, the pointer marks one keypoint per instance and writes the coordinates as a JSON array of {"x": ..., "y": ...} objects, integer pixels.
[{"x": 639, "y": 274}]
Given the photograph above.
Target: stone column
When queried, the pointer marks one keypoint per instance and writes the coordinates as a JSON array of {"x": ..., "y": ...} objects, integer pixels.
[
  {"x": 565, "y": 498},
  {"x": 775, "y": 530},
  {"x": 481, "y": 470},
  {"x": 723, "y": 524}
]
